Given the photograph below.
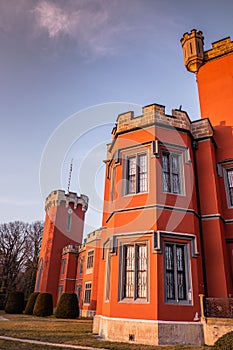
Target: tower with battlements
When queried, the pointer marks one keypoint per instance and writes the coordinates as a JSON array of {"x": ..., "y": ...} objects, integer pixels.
[{"x": 65, "y": 213}]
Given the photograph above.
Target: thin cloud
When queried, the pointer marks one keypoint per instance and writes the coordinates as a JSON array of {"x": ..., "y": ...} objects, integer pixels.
[{"x": 90, "y": 26}]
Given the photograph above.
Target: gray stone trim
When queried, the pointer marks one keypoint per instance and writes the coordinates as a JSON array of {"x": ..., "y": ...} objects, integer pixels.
[
  {"x": 158, "y": 235},
  {"x": 155, "y": 206}
]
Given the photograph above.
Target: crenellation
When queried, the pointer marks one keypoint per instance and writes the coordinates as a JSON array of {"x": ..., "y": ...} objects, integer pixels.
[
  {"x": 91, "y": 237},
  {"x": 152, "y": 114},
  {"x": 55, "y": 198},
  {"x": 219, "y": 48},
  {"x": 202, "y": 128},
  {"x": 70, "y": 248}
]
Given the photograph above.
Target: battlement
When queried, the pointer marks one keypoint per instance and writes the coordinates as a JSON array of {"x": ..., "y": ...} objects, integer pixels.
[
  {"x": 201, "y": 129},
  {"x": 193, "y": 50},
  {"x": 152, "y": 114},
  {"x": 70, "y": 248},
  {"x": 55, "y": 198},
  {"x": 91, "y": 237},
  {"x": 219, "y": 48}
]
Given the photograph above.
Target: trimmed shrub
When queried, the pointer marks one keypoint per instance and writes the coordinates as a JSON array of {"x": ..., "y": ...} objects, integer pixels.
[
  {"x": 2, "y": 301},
  {"x": 43, "y": 305},
  {"x": 225, "y": 342},
  {"x": 31, "y": 303},
  {"x": 67, "y": 306},
  {"x": 15, "y": 303}
]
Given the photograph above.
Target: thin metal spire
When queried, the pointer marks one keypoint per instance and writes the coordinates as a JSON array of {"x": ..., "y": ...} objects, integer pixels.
[{"x": 70, "y": 173}]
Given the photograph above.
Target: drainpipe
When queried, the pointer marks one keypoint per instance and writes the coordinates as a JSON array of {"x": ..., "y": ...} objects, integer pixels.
[{"x": 195, "y": 147}]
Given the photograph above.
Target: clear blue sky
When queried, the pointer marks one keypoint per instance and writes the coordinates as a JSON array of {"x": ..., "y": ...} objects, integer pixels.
[{"x": 60, "y": 57}]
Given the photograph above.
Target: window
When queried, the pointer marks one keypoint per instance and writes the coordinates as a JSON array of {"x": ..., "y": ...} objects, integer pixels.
[
  {"x": 113, "y": 181},
  {"x": 69, "y": 220},
  {"x": 63, "y": 266},
  {"x": 229, "y": 181},
  {"x": 39, "y": 274},
  {"x": 136, "y": 174},
  {"x": 108, "y": 273},
  {"x": 87, "y": 293},
  {"x": 60, "y": 291},
  {"x": 81, "y": 265},
  {"x": 90, "y": 259},
  {"x": 171, "y": 180},
  {"x": 177, "y": 285},
  {"x": 79, "y": 290},
  {"x": 134, "y": 274}
]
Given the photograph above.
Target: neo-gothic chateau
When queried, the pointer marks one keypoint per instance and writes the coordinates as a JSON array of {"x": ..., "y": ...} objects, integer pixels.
[{"x": 162, "y": 262}]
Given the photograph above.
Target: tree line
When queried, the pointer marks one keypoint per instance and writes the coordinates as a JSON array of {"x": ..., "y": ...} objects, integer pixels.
[{"x": 20, "y": 244}]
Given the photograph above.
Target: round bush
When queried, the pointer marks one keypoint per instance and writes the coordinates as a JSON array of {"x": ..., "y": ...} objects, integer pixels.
[
  {"x": 43, "y": 305},
  {"x": 67, "y": 306},
  {"x": 225, "y": 342},
  {"x": 31, "y": 303},
  {"x": 15, "y": 303},
  {"x": 2, "y": 301}
]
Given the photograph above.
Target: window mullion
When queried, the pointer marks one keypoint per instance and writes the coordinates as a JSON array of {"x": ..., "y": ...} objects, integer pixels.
[
  {"x": 175, "y": 272},
  {"x": 171, "y": 173},
  {"x": 135, "y": 271}
]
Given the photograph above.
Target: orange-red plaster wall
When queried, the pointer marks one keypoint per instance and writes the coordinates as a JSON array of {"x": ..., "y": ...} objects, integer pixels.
[
  {"x": 142, "y": 212},
  {"x": 215, "y": 86},
  {"x": 55, "y": 238}
]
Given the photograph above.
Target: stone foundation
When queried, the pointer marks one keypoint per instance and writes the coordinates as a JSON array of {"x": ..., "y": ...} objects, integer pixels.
[
  {"x": 148, "y": 332},
  {"x": 87, "y": 313},
  {"x": 214, "y": 328}
]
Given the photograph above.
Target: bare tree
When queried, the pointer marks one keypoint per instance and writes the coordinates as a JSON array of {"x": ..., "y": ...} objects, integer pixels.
[{"x": 19, "y": 251}]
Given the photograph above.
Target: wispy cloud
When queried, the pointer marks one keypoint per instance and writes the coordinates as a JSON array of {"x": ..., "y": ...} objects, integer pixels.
[{"x": 89, "y": 24}]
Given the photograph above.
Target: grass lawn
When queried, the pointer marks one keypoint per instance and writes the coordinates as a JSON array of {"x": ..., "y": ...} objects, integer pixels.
[{"x": 50, "y": 329}]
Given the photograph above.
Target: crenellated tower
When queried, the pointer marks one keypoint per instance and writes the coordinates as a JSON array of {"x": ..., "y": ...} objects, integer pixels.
[
  {"x": 193, "y": 50},
  {"x": 64, "y": 221}
]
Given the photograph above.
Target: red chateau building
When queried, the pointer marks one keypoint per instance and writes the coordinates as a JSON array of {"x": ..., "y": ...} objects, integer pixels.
[{"x": 167, "y": 228}]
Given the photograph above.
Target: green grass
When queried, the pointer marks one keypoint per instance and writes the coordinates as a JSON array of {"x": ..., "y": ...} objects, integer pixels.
[{"x": 75, "y": 332}]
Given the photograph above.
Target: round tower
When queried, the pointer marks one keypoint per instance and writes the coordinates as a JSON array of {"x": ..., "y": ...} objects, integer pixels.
[{"x": 193, "y": 50}]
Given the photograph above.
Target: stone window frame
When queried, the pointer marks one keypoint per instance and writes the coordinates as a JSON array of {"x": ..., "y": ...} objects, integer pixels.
[
  {"x": 81, "y": 264},
  {"x": 69, "y": 220},
  {"x": 181, "y": 176},
  {"x": 60, "y": 291},
  {"x": 125, "y": 183},
  {"x": 229, "y": 195},
  {"x": 187, "y": 274},
  {"x": 90, "y": 260},
  {"x": 122, "y": 265},
  {"x": 113, "y": 183},
  {"x": 79, "y": 291},
  {"x": 63, "y": 266},
  {"x": 108, "y": 258},
  {"x": 87, "y": 292}
]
